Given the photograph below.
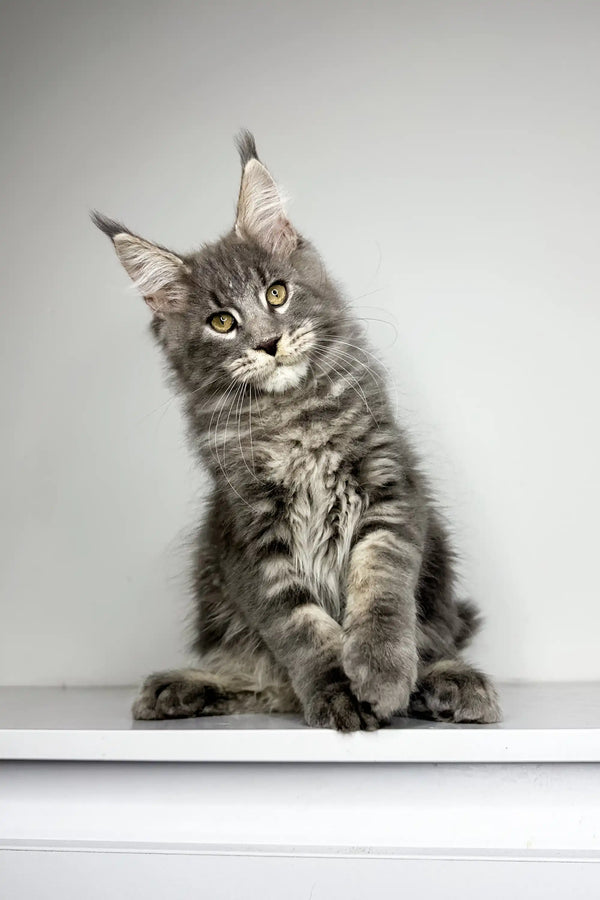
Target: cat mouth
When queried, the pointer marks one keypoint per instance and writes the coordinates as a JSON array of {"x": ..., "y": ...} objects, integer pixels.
[
  {"x": 285, "y": 375},
  {"x": 275, "y": 375},
  {"x": 278, "y": 372}
]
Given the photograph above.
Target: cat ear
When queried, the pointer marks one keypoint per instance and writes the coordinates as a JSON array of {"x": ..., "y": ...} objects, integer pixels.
[
  {"x": 260, "y": 211},
  {"x": 157, "y": 273}
]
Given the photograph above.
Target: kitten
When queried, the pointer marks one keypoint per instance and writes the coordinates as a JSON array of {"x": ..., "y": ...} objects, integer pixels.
[{"x": 323, "y": 573}]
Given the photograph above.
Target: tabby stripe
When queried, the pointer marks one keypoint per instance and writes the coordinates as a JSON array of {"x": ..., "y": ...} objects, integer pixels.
[
  {"x": 290, "y": 598},
  {"x": 374, "y": 523},
  {"x": 274, "y": 547}
]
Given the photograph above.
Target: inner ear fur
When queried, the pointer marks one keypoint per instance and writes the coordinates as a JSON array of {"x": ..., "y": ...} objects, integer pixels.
[{"x": 261, "y": 212}]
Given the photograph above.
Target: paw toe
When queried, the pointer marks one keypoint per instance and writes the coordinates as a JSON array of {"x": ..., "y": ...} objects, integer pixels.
[
  {"x": 461, "y": 695},
  {"x": 338, "y": 708},
  {"x": 166, "y": 695}
]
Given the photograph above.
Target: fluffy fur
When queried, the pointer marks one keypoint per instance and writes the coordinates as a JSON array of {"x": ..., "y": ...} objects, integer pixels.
[{"x": 323, "y": 573}]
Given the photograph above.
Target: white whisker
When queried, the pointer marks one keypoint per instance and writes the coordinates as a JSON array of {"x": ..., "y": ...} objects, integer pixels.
[{"x": 347, "y": 376}]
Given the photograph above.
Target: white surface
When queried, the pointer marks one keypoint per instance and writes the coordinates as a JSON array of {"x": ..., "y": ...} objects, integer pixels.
[
  {"x": 444, "y": 156},
  {"x": 98, "y": 876},
  {"x": 543, "y": 723},
  {"x": 110, "y": 827},
  {"x": 253, "y": 808},
  {"x": 293, "y": 829}
]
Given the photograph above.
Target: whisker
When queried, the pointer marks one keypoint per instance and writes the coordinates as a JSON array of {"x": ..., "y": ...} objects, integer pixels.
[
  {"x": 175, "y": 396},
  {"x": 250, "y": 427},
  {"x": 353, "y": 300},
  {"x": 322, "y": 370},
  {"x": 381, "y": 365},
  {"x": 220, "y": 409},
  {"x": 337, "y": 352},
  {"x": 162, "y": 406},
  {"x": 383, "y": 322},
  {"x": 357, "y": 347},
  {"x": 239, "y": 418},
  {"x": 391, "y": 377},
  {"x": 258, "y": 406},
  {"x": 346, "y": 375},
  {"x": 239, "y": 387}
]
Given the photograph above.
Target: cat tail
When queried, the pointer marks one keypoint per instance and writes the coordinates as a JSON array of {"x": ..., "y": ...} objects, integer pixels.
[{"x": 469, "y": 622}]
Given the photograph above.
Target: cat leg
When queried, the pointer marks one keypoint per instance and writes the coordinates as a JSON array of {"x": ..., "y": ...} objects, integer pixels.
[
  {"x": 451, "y": 690},
  {"x": 308, "y": 642},
  {"x": 305, "y": 641},
  {"x": 184, "y": 693},
  {"x": 379, "y": 652}
]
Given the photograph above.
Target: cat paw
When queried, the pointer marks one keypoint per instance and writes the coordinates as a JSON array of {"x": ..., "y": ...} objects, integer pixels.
[
  {"x": 384, "y": 680},
  {"x": 170, "y": 695},
  {"x": 335, "y": 706},
  {"x": 453, "y": 691}
]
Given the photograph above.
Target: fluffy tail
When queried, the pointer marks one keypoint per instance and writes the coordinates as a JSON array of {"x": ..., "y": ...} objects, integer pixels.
[{"x": 469, "y": 622}]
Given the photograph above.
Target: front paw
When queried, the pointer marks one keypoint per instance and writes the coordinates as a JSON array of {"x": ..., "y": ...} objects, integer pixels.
[
  {"x": 170, "y": 695},
  {"x": 381, "y": 675},
  {"x": 333, "y": 705}
]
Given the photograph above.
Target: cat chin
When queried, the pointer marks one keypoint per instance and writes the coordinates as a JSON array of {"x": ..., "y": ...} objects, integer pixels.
[{"x": 285, "y": 377}]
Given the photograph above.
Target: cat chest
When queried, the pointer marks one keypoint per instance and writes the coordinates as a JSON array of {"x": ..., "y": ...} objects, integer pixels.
[{"x": 323, "y": 511}]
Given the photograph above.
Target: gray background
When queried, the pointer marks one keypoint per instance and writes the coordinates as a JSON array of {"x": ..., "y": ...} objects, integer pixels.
[{"x": 443, "y": 155}]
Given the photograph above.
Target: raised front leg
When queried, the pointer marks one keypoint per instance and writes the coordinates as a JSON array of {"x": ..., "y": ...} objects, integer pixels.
[
  {"x": 306, "y": 641},
  {"x": 380, "y": 651}
]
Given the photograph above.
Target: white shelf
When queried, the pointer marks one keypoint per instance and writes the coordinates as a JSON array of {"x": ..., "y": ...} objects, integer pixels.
[{"x": 543, "y": 723}]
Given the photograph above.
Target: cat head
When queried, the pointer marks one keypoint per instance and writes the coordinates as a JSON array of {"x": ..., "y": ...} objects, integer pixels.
[{"x": 255, "y": 307}]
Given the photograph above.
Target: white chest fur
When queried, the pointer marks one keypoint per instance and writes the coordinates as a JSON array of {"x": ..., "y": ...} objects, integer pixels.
[{"x": 323, "y": 511}]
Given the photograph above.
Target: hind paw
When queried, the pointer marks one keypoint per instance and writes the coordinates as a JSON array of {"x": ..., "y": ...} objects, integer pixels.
[
  {"x": 170, "y": 695},
  {"x": 452, "y": 691}
]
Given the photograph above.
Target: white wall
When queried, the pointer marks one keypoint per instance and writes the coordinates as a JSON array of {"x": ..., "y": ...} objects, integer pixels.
[{"x": 442, "y": 155}]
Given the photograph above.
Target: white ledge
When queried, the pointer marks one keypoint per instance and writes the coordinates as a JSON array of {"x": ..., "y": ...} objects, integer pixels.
[{"x": 542, "y": 723}]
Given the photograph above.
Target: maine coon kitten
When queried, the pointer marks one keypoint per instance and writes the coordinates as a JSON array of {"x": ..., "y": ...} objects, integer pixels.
[{"x": 323, "y": 577}]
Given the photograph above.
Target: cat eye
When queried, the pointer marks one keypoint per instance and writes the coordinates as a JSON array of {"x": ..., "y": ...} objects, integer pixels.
[
  {"x": 222, "y": 322},
  {"x": 277, "y": 294}
]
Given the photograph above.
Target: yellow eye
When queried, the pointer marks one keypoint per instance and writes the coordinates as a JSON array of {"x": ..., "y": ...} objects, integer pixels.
[
  {"x": 277, "y": 294},
  {"x": 222, "y": 322}
]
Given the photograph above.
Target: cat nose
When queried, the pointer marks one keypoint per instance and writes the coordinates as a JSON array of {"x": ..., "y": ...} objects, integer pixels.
[{"x": 270, "y": 346}]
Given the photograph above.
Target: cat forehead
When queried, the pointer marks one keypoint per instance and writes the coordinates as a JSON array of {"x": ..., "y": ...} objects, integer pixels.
[{"x": 232, "y": 265}]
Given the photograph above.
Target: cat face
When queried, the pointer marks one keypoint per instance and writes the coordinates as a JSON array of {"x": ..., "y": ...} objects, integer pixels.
[
  {"x": 255, "y": 307},
  {"x": 253, "y": 317}
]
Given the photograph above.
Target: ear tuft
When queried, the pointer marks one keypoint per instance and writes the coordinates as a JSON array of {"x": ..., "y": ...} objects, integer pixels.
[
  {"x": 261, "y": 212},
  {"x": 108, "y": 226},
  {"x": 246, "y": 146}
]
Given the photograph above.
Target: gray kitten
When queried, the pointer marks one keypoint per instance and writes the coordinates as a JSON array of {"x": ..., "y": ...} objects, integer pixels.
[{"x": 323, "y": 575}]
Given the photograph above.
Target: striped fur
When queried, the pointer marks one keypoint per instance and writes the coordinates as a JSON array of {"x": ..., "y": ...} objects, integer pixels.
[{"x": 323, "y": 574}]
